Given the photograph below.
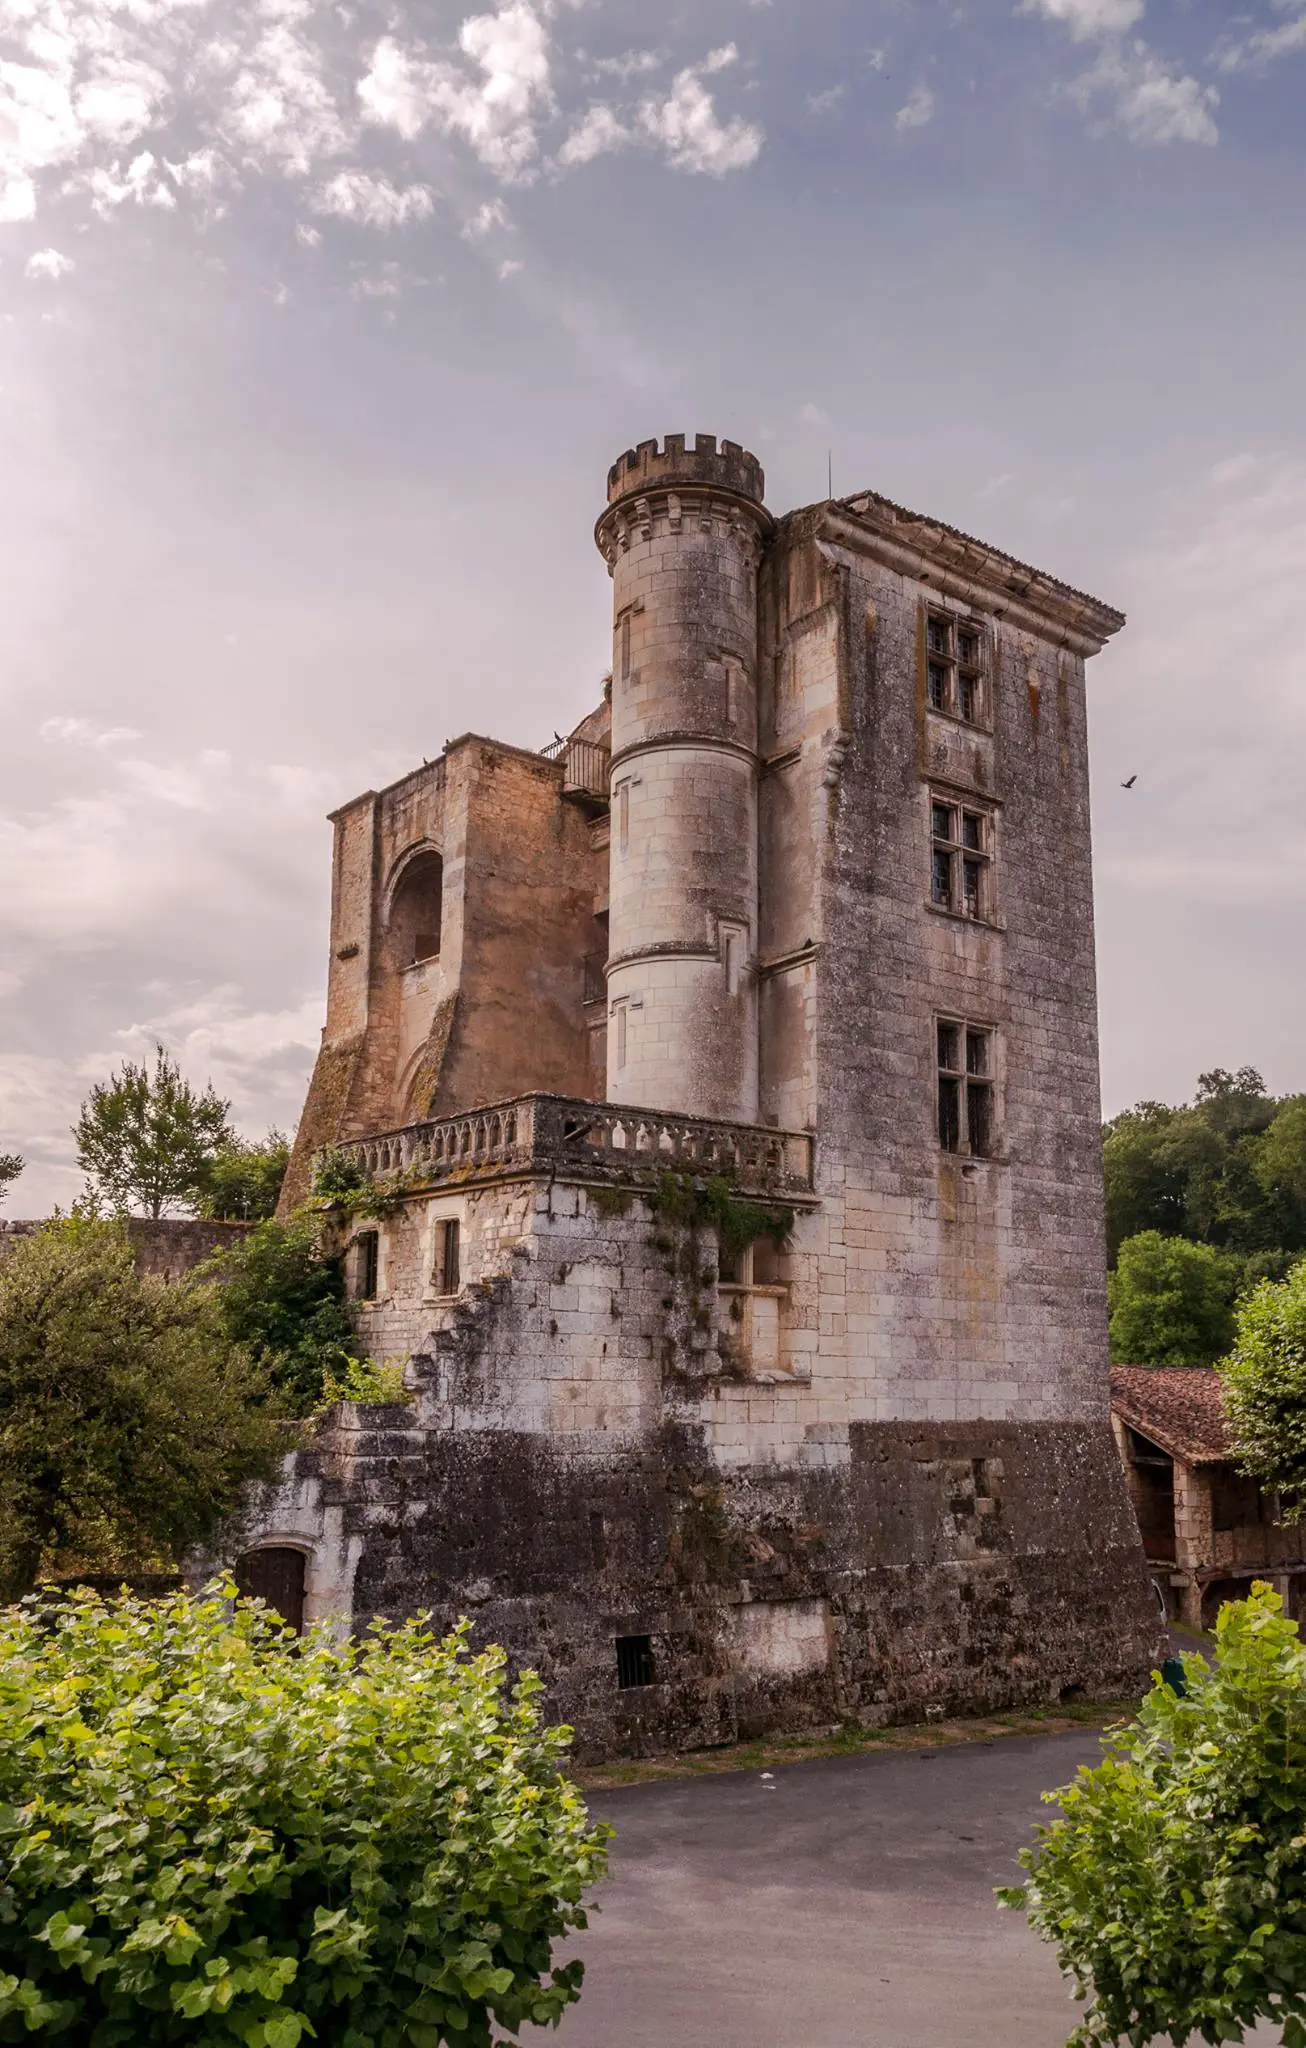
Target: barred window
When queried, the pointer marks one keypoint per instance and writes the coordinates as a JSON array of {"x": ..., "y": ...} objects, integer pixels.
[
  {"x": 966, "y": 1081},
  {"x": 961, "y": 859},
  {"x": 954, "y": 668}
]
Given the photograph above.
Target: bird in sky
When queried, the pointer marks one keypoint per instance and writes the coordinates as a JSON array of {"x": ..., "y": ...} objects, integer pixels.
[{"x": 1129, "y": 785}]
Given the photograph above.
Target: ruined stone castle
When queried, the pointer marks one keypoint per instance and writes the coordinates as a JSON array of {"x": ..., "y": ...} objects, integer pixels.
[{"x": 727, "y": 1074}]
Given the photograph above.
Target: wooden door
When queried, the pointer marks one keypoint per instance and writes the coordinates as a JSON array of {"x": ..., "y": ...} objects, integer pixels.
[{"x": 277, "y": 1576}]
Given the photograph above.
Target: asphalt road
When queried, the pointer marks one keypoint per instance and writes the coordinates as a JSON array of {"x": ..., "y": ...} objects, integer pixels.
[{"x": 840, "y": 1904}]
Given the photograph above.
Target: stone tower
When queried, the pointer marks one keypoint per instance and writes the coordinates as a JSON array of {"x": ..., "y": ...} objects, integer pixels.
[{"x": 682, "y": 536}]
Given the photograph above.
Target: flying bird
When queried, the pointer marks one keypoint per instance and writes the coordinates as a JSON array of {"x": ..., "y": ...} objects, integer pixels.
[{"x": 1129, "y": 785}]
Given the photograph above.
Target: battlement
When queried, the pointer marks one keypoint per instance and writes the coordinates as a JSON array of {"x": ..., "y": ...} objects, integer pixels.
[{"x": 725, "y": 468}]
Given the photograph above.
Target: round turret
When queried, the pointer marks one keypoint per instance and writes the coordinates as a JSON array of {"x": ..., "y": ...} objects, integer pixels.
[
  {"x": 727, "y": 468},
  {"x": 683, "y": 536}
]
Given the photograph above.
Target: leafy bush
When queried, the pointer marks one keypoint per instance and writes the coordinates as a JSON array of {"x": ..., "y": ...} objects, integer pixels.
[
  {"x": 1174, "y": 1883},
  {"x": 130, "y": 1420},
  {"x": 364, "y": 1380},
  {"x": 1265, "y": 1389},
  {"x": 1171, "y": 1302},
  {"x": 242, "y": 1182},
  {"x": 282, "y": 1296},
  {"x": 215, "y": 1831}
]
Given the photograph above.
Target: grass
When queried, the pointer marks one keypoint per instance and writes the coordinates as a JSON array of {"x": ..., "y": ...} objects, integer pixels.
[{"x": 852, "y": 1740}]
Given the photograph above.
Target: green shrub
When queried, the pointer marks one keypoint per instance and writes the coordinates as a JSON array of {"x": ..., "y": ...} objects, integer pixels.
[
  {"x": 212, "y": 1830},
  {"x": 130, "y": 1418},
  {"x": 1174, "y": 1883},
  {"x": 282, "y": 1297},
  {"x": 1265, "y": 1389},
  {"x": 365, "y": 1380},
  {"x": 1171, "y": 1302}
]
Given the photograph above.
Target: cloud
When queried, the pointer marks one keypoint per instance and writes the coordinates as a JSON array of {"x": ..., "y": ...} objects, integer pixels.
[
  {"x": 632, "y": 64},
  {"x": 1089, "y": 18},
  {"x": 917, "y": 111},
  {"x": 1149, "y": 104},
  {"x": 83, "y": 732},
  {"x": 307, "y": 237},
  {"x": 278, "y": 107},
  {"x": 1267, "y": 45},
  {"x": 373, "y": 202},
  {"x": 510, "y": 268},
  {"x": 486, "y": 220},
  {"x": 111, "y": 187},
  {"x": 686, "y": 126},
  {"x": 825, "y": 102},
  {"x": 48, "y": 263},
  {"x": 495, "y": 105},
  {"x": 596, "y": 135}
]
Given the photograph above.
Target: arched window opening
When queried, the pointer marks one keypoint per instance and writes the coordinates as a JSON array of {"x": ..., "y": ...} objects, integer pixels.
[
  {"x": 416, "y": 910},
  {"x": 275, "y": 1575}
]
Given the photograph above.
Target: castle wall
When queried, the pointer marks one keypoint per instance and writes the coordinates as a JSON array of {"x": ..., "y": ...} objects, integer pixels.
[
  {"x": 565, "y": 1478},
  {"x": 498, "y": 1009}
]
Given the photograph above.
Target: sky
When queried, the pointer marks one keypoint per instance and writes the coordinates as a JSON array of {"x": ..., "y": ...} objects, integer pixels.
[{"x": 321, "y": 324}]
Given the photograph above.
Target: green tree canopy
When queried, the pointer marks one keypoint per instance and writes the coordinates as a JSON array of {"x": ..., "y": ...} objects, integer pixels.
[
  {"x": 147, "y": 1140},
  {"x": 242, "y": 1181},
  {"x": 215, "y": 1832},
  {"x": 1265, "y": 1389},
  {"x": 281, "y": 1297},
  {"x": 1172, "y": 1884},
  {"x": 11, "y": 1165},
  {"x": 1228, "y": 1169},
  {"x": 1171, "y": 1302},
  {"x": 129, "y": 1420}
]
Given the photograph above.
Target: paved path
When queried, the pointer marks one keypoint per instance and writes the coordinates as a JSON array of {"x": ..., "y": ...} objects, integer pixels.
[{"x": 840, "y": 1904}]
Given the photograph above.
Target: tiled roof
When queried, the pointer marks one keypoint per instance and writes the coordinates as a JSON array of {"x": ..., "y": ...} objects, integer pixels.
[{"x": 1177, "y": 1407}]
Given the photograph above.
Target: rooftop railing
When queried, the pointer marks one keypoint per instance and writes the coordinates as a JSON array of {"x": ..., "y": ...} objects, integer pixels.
[
  {"x": 554, "y": 1136},
  {"x": 585, "y": 767}
]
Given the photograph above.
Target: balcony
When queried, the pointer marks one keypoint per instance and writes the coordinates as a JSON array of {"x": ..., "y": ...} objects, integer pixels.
[
  {"x": 585, "y": 770},
  {"x": 555, "y": 1137}
]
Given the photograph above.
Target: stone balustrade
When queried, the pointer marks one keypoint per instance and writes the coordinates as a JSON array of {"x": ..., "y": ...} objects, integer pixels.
[{"x": 555, "y": 1137}]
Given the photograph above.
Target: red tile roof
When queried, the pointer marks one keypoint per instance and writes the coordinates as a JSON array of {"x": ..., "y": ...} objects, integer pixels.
[{"x": 1176, "y": 1406}]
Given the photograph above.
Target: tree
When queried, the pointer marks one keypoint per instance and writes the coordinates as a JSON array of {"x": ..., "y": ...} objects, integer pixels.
[
  {"x": 214, "y": 1831},
  {"x": 1171, "y": 1302},
  {"x": 1172, "y": 1884},
  {"x": 11, "y": 1165},
  {"x": 280, "y": 1296},
  {"x": 1265, "y": 1389},
  {"x": 129, "y": 1420},
  {"x": 147, "y": 1140},
  {"x": 242, "y": 1182}
]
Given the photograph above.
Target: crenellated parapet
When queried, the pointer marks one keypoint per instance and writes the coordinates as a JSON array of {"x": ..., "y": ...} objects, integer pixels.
[
  {"x": 727, "y": 467},
  {"x": 674, "y": 491}
]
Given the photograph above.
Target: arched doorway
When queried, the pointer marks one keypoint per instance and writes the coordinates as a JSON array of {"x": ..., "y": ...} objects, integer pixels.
[
  {"x": 275, "y": 1575},
  {"x": 416, "y": 910}
]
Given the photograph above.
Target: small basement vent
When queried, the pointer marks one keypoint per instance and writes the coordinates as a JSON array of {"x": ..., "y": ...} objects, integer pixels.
[{"x": 635, "y": 1661}]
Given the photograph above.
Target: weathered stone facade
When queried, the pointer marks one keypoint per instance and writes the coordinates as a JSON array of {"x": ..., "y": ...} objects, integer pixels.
[{"x": 837, "y": 878}]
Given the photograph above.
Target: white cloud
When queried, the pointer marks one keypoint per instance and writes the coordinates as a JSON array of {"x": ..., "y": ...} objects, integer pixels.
[
  {"x": 110, "y": 187},
  {"x": 1149, "y": 104},
  {"x": 825, "y": 102},
  {"x": 631, "y": 64},
  {"x": 373, "y": 202},
  {"x": 1089, "y": 18},
  {"x": 496, "y": 111},
  {"x": 510, "y": 268},
  {"x": 307, "y": 237},
  {"x": 685, "y": 124},
  {"x": 493, "y": 215},
  {"x": 812, "y": 416},
  {"x": 1266, "y": 45},
  {"x": 278, "y": 108},
  {"x": 48, "y": 263},
  {"x": 83, "y": 732},
  {"x": 599, "y": 132},
  {"x": 917, "y": 111}
]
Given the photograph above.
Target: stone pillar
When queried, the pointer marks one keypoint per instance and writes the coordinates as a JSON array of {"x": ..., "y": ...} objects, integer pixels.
[{"x": 682, "y": 537}]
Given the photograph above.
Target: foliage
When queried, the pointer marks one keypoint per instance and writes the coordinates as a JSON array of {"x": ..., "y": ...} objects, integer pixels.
[
  {"x": 282, "y": 1298},
  {"x": 1228, "y": 1169},
  {"x": 344, "y": 1187},
  {"x": 1265, "y": 1389},
  {"x": 696, "y": 1205},
  {"x": 1173, "y": 1882},
  {"x": 243, "y": 1181},
  {"x": 365, "y": 1380},
  {"x": 129, "y": 1420},
  {"x": 1171, "y": 1302},
  {"x": 11, "y": 1165},
  {"x": 148, "y": 1140},
  {"x": 214, "y": 1831}
]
